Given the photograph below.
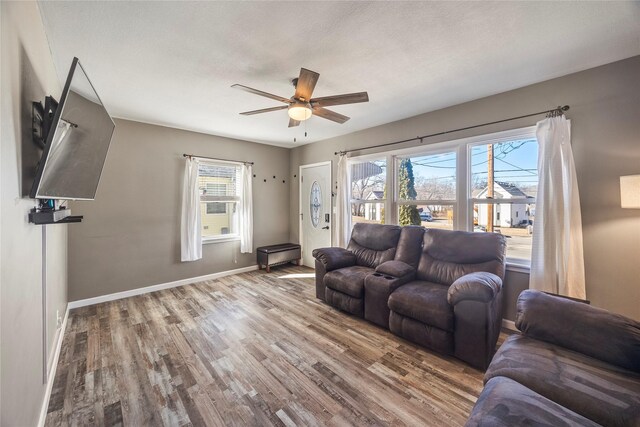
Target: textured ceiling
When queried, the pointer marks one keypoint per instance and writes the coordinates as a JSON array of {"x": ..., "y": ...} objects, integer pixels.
[{"x": 172, "y": 63}]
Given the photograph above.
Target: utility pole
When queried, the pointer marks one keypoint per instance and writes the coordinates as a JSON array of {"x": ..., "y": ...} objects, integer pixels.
[{"x": 490, "y": 187}]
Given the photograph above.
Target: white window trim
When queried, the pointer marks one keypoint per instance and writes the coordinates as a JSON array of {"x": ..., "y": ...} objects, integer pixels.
[
  {"x": 463, "y": 205},
  {"x": 221, "y": 239}
]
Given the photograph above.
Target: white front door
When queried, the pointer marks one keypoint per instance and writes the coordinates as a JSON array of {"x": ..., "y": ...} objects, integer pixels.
[{"x": 315, "y": 209}]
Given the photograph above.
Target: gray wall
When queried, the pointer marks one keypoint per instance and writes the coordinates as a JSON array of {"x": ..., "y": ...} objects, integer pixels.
[
  {"x": 27, "y": 75},
  {"x": 605, "y": 103},
  {"x": 130, "y": 236}
]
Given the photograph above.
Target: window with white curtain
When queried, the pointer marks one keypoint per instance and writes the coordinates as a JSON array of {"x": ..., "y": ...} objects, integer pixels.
[
  {"x": 220, "y": 188},
  {"x": 486, "y": 183}
]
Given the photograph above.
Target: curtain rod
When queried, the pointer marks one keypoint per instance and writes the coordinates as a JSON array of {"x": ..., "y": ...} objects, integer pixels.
[
  {"x": 214, "y": 158},
  {"x": 558, "y": 110}
]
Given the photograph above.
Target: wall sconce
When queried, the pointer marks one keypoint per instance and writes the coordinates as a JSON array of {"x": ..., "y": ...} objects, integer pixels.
[{"x": 630, "y": 191}]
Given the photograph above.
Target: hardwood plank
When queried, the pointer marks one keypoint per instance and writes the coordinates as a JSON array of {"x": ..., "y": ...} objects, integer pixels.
[{"x": 251, "y": 349}]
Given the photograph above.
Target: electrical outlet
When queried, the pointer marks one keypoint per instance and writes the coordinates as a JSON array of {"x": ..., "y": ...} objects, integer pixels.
[{"x": 58, "y": 319}]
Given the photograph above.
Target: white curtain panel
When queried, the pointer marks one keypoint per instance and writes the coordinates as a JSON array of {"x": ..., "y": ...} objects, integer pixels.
[
  {"x": 191, "y": 224},
  {"x": 246, "y": 211},
  {"x": 342, "y": 224},
  {"x": 557, "y": 263}
]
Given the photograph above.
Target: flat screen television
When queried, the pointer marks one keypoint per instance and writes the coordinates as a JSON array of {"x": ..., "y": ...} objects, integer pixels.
[{"x": 76, "y": 144}]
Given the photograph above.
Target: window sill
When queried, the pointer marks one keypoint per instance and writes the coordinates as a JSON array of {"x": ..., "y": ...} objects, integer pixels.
[
  {"x": 518, "y": 266},
  {"x": 220, "y": 240}
]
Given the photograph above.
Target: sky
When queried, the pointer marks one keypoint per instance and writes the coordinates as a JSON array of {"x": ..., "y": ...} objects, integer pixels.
[{"x": 515, "y": 162}]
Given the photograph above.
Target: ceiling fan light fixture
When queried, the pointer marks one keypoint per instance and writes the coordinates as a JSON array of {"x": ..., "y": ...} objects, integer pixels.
[{"x": 299, "y": 110}]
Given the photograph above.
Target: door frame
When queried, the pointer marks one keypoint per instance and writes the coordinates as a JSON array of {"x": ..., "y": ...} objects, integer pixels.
[{"x": 300, "y": 228}]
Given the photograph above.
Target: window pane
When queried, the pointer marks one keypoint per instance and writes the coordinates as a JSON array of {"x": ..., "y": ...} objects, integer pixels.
[
  {"x": 430, "y": 177},
  {"x": 430, "y": 216},
  {"x": 514, "y": 221},
  {"x": 367, "y": 212},
  {"x": 515, "y": 170},
  {"x": 368, "y": 180},
  {"x": 218, "y": 181},
  {"x": 218, "y": 221},
  {"x": 216, "y": 208}
]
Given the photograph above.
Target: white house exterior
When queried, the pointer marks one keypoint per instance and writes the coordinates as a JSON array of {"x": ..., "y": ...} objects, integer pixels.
[
  {"x": 505, "y": 214},
  {"x": 373, "y": 211}
]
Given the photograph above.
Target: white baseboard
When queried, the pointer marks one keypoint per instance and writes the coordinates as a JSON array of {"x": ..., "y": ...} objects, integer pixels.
[
  {"x": 509, "y": 324},
  {"x": 153, "y": 288},
  {"x": 52, "y": 371}
]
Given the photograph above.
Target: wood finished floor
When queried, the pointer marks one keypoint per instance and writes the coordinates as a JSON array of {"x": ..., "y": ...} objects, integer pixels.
[{"x": 249, "y": 349}]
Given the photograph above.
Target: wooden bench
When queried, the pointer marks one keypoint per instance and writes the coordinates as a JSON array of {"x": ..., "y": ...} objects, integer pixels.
[{"x": 283, "y": 253}]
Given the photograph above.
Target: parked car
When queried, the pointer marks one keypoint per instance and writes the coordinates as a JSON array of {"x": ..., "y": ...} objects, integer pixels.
[{"x": 426, "y": 216}]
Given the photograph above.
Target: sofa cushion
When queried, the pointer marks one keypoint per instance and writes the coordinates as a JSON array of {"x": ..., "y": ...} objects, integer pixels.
[
  {"x": 410, "y": 245},
  {"x": 505, "y": 403},
  {"x": 421, "y": 333},
  {"x": 348, "y": 280},
  {"x": 597, "y": 390},
  {"x": 344, "y": 302},
  {"x": 373, "y": 244},
  {"x": 425, "y": 302},
  {"x": 580, "y": 327},
  {"x": 448, "y": 255}
]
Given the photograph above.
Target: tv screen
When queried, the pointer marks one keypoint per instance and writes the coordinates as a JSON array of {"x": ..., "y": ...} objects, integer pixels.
[{"x": 77, "y": 143}]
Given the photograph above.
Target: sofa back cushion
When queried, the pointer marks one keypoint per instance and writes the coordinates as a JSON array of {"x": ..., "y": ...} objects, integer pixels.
[
  {"x": 373, "y": 244},
  {"x": 410, "y": 245},
  {"x": 448, "y": 255}
]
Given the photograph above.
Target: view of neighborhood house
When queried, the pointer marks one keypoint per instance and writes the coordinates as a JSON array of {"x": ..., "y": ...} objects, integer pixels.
[{"x": 504, "y": 175}]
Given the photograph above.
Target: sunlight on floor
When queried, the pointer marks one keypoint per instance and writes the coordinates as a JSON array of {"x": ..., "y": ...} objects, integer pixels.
[{"x": 298, "y": 276}]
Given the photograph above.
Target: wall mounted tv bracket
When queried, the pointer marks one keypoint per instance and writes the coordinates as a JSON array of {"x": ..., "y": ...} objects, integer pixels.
[
  {"x": 46, "y": 212},
  {"x": 41, "y": 119}
]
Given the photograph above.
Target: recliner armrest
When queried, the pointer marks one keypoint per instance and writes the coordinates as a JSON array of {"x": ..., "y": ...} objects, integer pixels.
[
  {"x": 396, "y": 269},
  {"x": 334, "y": 258},
  {"x": 580, "y": 327},
  {"x": 479, "y": 286}
]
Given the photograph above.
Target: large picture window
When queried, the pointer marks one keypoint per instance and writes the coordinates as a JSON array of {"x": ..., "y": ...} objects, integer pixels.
[
  {"x": 220, "y": 193},
  {"x": 482, "y": 184}
]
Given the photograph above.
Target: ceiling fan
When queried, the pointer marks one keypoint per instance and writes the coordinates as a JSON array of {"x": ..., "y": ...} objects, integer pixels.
[{"x": 301, "y": 106}]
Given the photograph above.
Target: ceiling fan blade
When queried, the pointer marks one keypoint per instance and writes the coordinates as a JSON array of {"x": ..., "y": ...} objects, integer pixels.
[
  {"x": 306, "y": 83},
  {"x": 261, "y": 93},
  {"x": 347, "y": 98},
  {"x": 329, "y": 115},
  {"x": 265, "y": 110},
  {"x": 293, "y": 123}
]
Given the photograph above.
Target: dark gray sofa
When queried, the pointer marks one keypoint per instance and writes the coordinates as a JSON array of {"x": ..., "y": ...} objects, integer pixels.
[
  {"x": 438, "y": 288},
  {"x": 573, "y": 364}
]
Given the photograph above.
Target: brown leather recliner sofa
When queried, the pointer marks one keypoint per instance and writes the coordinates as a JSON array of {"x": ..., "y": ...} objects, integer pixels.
[
  {"x": 572, "y": 364},
  {"x": 438, "y": 288}
]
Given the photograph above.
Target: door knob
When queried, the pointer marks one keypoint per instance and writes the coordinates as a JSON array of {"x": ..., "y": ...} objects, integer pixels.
[{"x": 325, "y": 228}]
